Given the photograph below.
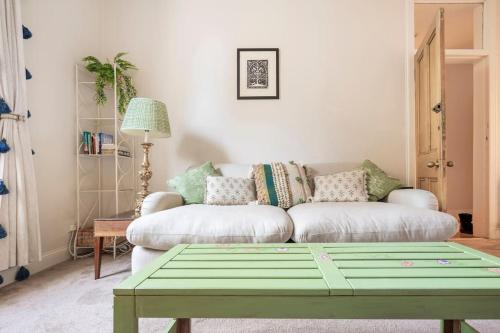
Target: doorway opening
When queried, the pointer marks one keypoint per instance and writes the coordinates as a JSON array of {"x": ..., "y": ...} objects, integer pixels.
[{"x": 451, "y": 109}]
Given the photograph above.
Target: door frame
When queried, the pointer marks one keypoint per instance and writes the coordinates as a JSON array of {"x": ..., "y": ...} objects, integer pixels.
[{"x": 490, "y": 53}]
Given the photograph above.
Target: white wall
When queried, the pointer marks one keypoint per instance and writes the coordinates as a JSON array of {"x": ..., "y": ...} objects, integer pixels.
[
  {"x": 342, "y": 78},
  {"x": 459, "y": 136},
  {"x": 342, "y": 85},
  {"x": 63, "y": 32}
]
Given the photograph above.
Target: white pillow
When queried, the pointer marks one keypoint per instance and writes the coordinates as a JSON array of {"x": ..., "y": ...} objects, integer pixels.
[
  {"x": 341, "y": 187},
  {"x": 229, "y": 191}
]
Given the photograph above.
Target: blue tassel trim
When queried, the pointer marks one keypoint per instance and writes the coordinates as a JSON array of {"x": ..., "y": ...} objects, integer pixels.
[
  {"x": 4, "y": 147},
  {"x": 22, "y": 274},
  {"x": 4, "y": 107},
  {"x": 27, "y": 34},
  {"x": 3, "y": 233},
  {"x": 29, "y": 114},
  {"x": 3, "y": 188},
  {"x": 32, "y": 152},
  {"x": 28, "y": 74}
]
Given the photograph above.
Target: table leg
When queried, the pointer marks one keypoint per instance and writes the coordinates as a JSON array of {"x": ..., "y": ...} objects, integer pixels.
[
  {"x": 124, "y": 319},
  {"x": 450, "y": 326},
  {"x": 97, "y": 256},
  {"x": 183, "y": 325}
]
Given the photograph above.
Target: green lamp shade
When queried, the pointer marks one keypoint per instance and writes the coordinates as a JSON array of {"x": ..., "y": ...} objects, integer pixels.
[{"x": 146, "y": 115}]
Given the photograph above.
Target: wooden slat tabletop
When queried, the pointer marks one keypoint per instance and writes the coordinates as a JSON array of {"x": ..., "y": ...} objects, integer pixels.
[{"x": 358, "y": 269}]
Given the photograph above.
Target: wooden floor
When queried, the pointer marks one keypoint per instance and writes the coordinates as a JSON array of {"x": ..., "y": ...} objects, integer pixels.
[{"x": 490, "y": 246}]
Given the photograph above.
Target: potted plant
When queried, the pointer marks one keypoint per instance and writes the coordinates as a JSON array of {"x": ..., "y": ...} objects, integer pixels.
[{"x": 105, "y": 77}]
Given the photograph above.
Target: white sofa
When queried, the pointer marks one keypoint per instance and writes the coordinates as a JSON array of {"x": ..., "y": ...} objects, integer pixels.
[{"x": 408, "y": 215}]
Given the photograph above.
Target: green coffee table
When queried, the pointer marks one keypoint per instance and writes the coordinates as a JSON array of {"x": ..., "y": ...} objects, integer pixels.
[{"x": 444, "y": 281}]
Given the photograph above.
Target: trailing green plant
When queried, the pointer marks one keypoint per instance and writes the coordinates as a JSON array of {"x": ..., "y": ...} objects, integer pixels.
[{"x": 105, "y": 77}]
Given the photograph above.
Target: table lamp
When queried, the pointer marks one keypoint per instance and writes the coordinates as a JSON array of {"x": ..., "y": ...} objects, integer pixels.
[{"x": 145, "y": 117}]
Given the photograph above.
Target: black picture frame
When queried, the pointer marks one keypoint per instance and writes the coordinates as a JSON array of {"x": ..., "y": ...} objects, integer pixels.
[{"x": 238, "y": 83}]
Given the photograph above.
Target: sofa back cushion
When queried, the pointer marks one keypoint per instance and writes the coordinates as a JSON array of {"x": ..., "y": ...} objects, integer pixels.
[
  {"x": 323, "y": 169},
  {"x": 234, "y": 170},
  {"x": 314, "y": 169}
]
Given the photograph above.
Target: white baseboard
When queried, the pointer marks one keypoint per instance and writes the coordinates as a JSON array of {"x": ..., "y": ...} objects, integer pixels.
[{"x": 49, "y": 259}]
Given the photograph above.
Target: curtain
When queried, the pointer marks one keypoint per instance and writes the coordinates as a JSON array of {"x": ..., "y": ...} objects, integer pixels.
[{"x": 18, "y": 207}]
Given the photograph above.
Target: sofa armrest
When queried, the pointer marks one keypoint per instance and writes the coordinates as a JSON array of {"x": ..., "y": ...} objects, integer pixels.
[
  {"x": 415, "y": 198},
  {"x": 159, "y": 201}
]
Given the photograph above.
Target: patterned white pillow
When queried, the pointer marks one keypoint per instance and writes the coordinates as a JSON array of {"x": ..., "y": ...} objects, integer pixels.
[
  {"x": 341, "y": 187},
  {"x": 229, "y": 191}
]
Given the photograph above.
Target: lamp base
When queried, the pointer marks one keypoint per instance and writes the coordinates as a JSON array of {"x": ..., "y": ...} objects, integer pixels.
[{"x": 145, "y": 175}]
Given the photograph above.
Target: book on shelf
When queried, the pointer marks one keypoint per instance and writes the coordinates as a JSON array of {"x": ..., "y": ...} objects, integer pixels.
[{"x": 100, "y": 144}]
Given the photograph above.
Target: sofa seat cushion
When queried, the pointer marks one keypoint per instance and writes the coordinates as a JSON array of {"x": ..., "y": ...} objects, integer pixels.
[
  {"x": 211, "y": 224},
  {"x": 369, "y": 222}
]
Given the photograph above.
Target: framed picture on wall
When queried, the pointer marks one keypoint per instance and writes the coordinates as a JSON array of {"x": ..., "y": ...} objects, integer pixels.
[{"x": 258, "y": 74}]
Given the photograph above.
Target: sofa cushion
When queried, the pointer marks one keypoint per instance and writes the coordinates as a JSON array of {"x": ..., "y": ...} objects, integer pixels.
[
  {"x": 280, "y": 184},
  {"x": 191, "y": 185},
  {"x": 211, "y": 224},
  {"x": 344, "y": 186},
  {"x": 142, "y": 256},
  {"x": 378, "y": 183},
  {"x": 229, "y": 191},
  {"x": 368, "y": 222}
]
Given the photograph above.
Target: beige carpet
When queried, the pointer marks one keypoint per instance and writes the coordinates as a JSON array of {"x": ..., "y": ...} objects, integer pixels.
[{"x": 66, "y": 298}]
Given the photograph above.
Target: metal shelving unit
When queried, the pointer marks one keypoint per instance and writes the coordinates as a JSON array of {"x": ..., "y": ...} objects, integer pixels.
[{"x": 105, "y": 183}]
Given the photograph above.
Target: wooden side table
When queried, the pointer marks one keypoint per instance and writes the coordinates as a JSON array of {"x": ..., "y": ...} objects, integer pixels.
[{"x": 115, "y": 226}]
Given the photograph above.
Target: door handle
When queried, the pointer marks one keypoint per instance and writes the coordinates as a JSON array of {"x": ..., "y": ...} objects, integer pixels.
[
  {"x": 450, "y": 164},
  {"x": 433, "y": 164}
]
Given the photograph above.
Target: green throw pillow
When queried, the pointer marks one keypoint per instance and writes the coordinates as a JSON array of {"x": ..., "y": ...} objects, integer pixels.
[
  {"x": 378, "y": 183},
  {"x": 191, "y": 185}
]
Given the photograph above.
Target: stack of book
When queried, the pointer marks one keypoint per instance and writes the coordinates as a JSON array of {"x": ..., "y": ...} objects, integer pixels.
[
  {"x": 92, "y": 142},
  {"x": 100, "y": 144},
  {"x": 109, "y": 149}
]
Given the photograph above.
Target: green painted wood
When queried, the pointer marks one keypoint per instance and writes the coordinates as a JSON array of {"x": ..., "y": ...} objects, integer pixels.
[
  {"x": 477, "y": 253},
  {"x": 245, "y": 245},
  {"x": 400, "y": 256},
  {"x": 426, "y": 286},
  {"x": 415, "y": 263},
  {"x": 125, "y": 319},
  {"x": 239, "y": 273},
  {"x": 393, "y": 249},
  {"x": 411, "y": 272},
  {"x": 334, "y": 307},
  {"x": 240, "y": 287},
  {"x": 244, "y": 256},
  {"x": 127, "y": 287},
  {"x": 381, "y": 280},
  {"x": 273, "y": 250},
  {"x": 386, "y": 244},
  {"x": 467, "y": 328},
  {"x": 241, "y": 264},
  {"x": 333, "y": 277},
  {"x": 171, "y": 326}
]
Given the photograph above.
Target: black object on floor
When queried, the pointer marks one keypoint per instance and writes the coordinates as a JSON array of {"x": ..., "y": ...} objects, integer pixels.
[
  {"x": 465, "y": 223},
  {"x": 22, "y": 274}
]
